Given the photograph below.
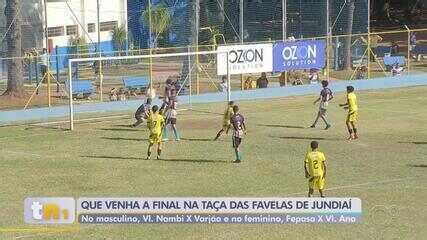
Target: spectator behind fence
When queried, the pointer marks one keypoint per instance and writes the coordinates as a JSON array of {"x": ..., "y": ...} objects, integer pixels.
[
  {"x": 295, "y": 78},
  {"x": 283, "y": 79},
  {"x": 413, "y": 43},
  {"x": 223, "y": 84},
  {"x": 262, "y": 82},
  {"x": 394, "y": 49},
  {"x": 396, "y": 70},
  {"x": 113, "y": 94},
  {"x": 361, "y": 72},
  {"x": 313, "y": 76},
  {"x": 44, "y": 58},
  {"x": 248, "y": 83},
  {"x": 122, "y": 94}
]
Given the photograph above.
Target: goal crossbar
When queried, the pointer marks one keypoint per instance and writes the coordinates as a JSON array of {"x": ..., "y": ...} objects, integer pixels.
[{"x": 162, "y": 55}]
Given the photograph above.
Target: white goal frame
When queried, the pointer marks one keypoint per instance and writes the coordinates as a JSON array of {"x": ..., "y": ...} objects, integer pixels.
[{"x": 189, "y": 54}]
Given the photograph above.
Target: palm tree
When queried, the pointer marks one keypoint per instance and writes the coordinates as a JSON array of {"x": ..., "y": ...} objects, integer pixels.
[
  {"x": 15, "y": 80},
  {"x": 160, "y": 20},
  {"x": 119, "y": 38}
]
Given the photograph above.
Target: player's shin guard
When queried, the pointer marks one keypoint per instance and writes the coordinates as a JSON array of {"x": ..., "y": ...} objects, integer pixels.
[
  {"x": 159, "y": 152},
  {"x": 237, "y": 152},
  {"x": 175, "y": 131},
  {"x": 165, "y": 133}
]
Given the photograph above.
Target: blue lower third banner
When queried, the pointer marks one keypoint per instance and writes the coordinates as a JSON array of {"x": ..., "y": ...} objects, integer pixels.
[
  {"x": 298, "y": 55},
  {"x": 218, "y": 210},
  {"x": 346, "y": 218}
]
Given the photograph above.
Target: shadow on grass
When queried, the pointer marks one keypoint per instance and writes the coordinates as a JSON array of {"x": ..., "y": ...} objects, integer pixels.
[
  {"x": 304, "y": 138},
  {"x": 281, "y": 126},
  {"x": 120, "y": 129},
  {"x": 122, "y": 125},
  {"x": 418, "y": 165},
  {"x": 162, "y": 160},
  {"x": 197, "y": 139},
  {"x": 124, "y": 139},
  {"x": 417, "y": 143}
]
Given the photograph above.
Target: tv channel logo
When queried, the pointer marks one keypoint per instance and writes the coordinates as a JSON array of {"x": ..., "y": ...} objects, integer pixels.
[{"x": 49, "y": 210}]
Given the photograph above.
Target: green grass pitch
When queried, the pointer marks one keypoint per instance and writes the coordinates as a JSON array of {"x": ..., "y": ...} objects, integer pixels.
[{"x": 386, "y": 168}]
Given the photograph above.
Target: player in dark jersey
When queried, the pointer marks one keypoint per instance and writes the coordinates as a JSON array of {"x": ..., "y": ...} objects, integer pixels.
[
  {"x": 142, "y": 113},
  {"x": 167, "y": 94},
  {"x": 326, "y": 95},
  {"x": 239, "y": 129}
]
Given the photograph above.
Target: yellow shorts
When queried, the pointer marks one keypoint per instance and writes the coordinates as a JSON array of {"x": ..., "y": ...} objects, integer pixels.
[
  {"x": 226, "y": 126},
  {"x": 316, "y": 182},
  {"x": 155, "y": 138},
  {"x": 352, "y": 117}
]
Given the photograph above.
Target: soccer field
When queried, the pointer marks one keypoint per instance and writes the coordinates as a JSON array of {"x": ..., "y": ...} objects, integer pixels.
[{"x": 386, "y": 168}]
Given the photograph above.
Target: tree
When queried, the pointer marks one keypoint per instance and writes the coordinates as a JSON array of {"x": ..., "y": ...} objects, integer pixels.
[
  {"x": 347, "y": 50},
  {"x": 15, "y": 80},
  {"x": 119, "y": 38},
  {"x": 160, "y": 21}
]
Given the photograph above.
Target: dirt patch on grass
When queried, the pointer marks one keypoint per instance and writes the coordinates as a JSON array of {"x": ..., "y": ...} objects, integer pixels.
[{"x": 200, "y": 124}]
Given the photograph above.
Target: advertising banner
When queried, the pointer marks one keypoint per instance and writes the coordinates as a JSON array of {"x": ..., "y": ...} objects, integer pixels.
[
  {"x": 299, "y": 55},
  {"x": 254, "y": 58}
]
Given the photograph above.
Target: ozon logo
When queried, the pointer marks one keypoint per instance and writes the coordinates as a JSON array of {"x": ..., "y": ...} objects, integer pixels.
[
  {"x": 290, "y": 53},
  {"x": 246, "y": 55}
]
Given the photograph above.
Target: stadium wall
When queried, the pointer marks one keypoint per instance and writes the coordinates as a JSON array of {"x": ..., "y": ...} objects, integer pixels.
[{"x": 43, "y": 114}]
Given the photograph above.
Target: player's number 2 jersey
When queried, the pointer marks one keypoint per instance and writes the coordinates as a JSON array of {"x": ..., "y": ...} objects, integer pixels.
[{"x": 314, "y": 161}]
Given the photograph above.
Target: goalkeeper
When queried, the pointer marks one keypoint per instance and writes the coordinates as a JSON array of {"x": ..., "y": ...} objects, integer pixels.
[{"x": 142, "y": 113}]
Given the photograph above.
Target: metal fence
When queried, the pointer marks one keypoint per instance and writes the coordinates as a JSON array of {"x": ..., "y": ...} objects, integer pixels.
[{"x": 195, "y": 25}]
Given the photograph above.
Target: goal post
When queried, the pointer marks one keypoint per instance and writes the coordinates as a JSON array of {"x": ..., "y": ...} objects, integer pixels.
[{"x": 124, "y": 66}]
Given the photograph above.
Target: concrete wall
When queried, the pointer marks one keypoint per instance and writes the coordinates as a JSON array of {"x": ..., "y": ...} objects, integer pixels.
[{"x": 81, "y": 13}]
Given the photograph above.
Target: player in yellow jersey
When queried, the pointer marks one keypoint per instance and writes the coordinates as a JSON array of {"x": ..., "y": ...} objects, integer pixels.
[
  {"x": 226, "y": 120},
  {"x": 155, "y": 123},
  {"x": 315, "y": 169},
  {"x": 352, "y": 115}
]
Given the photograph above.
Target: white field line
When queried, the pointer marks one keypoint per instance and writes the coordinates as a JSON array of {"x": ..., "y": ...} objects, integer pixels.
[
  {"x": 88, "y": 120},
  {"x": 81, "y": 120},
  {"x": 23, "y": 153}
]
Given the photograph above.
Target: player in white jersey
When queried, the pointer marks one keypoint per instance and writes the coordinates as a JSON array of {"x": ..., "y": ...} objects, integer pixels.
[
  {"x": 171, "y": 116},
  {"x": 326, "y": 95}
]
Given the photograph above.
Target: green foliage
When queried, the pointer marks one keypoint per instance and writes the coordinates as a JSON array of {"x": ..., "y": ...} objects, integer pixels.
[
  {"x": 119, "y": 38},
  {"x": 78, "y": 45},
  {"x": 161, "y": 19}
]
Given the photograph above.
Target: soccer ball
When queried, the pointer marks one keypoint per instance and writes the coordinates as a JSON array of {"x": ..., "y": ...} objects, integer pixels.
[{"x": 151, "y": 93}]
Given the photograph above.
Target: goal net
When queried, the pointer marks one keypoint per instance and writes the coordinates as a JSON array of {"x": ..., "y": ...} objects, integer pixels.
[{"x": 123, "y": 83}]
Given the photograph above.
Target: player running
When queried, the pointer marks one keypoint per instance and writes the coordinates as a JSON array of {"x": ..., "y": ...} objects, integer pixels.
[
  {"x": 142, "y": 113},
  {"x": 315, "y": 169},
  {"x": 226, "y": 120},
  {"x": 171, "y": 115},
  {"x": 239, "y": 128},
  {"x": 155, "y": 123},
  {"x": 352, "y": 115},
  {"x": 326, "y": 95}
]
